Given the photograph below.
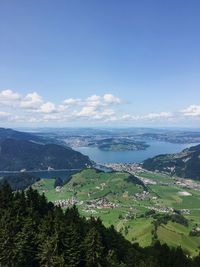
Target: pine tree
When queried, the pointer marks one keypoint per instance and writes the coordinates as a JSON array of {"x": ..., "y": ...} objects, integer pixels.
[
  {"x": 34, "y": 233},
  {"x": 180, "y": 258},
  {"x": 197, "y": 261},
  {"x": 48, "y": 254},
  {"x": 6, "y": 196},
  {"x": 112, "y": 261},
  {"x": 7, "y": 239},
  {"x": 93, "y": 248},
  {"x": 72, "y": 247},
  {"x": 26, "y": 244}
]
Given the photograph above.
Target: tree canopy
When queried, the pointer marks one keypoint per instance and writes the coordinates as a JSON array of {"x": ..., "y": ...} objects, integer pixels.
[{"x": 36, "y": 233}]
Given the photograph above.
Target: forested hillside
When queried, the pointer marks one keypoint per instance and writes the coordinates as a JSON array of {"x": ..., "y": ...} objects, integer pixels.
[
  {"x": 16, "y": 155},
  {"x": 10, "y": 133},
  {"x": 20, "y": 180},
  {"x": 36, "y": 233},
  {"x": 185, "y": 164}
]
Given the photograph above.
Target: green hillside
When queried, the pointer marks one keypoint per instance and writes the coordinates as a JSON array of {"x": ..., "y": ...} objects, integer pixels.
[
  {"x": 121, "y": 200},
  {"x": 36, "y": 233}
]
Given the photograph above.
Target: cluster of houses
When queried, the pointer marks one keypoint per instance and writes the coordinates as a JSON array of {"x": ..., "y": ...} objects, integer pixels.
[
  {"x": 124, "y": 167},
  {"x": 101, "y": 203},
  {"x": 162, "y": 209},
  {"x": 187, "y": 183},
  {"x": 142, "y": 196},
  {"x": 64, "y": 203},
  {"x": 196, "y": 229},
  {"x": 185, "y": 211}
]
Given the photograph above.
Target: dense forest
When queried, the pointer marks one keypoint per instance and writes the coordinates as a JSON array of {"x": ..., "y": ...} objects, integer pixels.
[
  {"x": 36, "y": 233},
  {"x": 16, "y": 155},
  {"x": 19, "y": 181}
]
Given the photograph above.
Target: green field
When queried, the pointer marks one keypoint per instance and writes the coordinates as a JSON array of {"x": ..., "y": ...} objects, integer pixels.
[{"x": 112, "y": 197}]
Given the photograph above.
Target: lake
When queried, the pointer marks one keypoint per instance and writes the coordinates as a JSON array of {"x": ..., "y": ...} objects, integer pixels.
[
  {"x": 156, "y": 148},
  {"x": 99, "y": 156}
]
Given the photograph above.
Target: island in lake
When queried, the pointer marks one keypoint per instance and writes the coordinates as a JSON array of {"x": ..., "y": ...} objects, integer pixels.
[{"x": 119, "y": 144}]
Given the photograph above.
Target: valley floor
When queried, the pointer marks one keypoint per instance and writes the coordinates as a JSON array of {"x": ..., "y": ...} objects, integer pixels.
[{"x": 147, "y": 207}]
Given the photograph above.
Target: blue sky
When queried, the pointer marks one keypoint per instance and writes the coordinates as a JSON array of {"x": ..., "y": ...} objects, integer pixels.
[{"x": 91, "y": 62}]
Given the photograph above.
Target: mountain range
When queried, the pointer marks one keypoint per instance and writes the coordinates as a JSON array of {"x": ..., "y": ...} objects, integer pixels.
[
  {"x": 10, "y": 133},
  {"x": 185, "y": 164},
  {"x": 19, "y": 150}
]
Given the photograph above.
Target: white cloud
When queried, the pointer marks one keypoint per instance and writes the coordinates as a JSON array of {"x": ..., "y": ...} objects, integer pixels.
[
  {"x": 62, "y": 108},
  {"x": 93, "y": 101},
  {"x": 129, "y": 117},
  {"x": 86, "y": 112},
  {"x": 32, "y": 108},
  {"x": 31, "y": 101},
  {"x": 191, "y": 111},
  {"x": 47, "y": 107},
  {"x": 111, "y": 99},
  {"x": 105, "y": 114},
  {"x": 9, "y": 98},
  {"x": 148, "y": 117},
  {"x": 93, "y": 98},
  {"x": 98, "y": 101},
  {"x": 96, "y": 107},
  {"x": 71, "y": 101},
  {"x": 155, "y": 116}
]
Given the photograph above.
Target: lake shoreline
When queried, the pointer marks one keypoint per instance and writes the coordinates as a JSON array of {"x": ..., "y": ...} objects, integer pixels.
[{"x": 132, "y": 156}]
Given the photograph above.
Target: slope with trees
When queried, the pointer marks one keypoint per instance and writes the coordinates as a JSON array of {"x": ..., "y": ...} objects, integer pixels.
[
  {"x": 185, "y": 164},
  {"x": 36, "y": 233},
  {"x": 16, "y": 155}
]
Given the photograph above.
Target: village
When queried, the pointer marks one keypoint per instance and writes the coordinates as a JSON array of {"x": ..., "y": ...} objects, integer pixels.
[
  {"x": 92, "y": 205},
  {"x": 100, "y": 203},
  {"x": 96, "y": 200},
  {"x": 135, "y": 168}
]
